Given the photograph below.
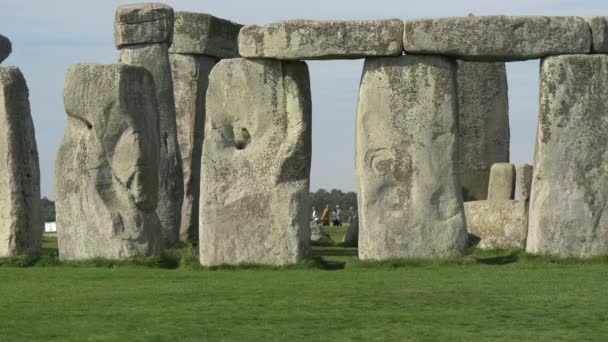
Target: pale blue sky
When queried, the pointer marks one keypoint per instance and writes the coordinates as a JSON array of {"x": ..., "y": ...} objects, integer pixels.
[{"x": 49, "y": 36}]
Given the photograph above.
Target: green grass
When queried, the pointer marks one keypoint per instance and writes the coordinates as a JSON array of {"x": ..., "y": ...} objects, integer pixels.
[{"x": 487, "y": 295}]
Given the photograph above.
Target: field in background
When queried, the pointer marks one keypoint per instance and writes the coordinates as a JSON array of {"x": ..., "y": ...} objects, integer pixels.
[{"x": 496, "y": 295}]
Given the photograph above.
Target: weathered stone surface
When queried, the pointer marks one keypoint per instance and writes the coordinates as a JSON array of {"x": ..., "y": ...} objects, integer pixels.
[
  {"x": 351, "y": 237},
  {"x": 318, "y": 236},
  {"x": 409, "y": 194},
  {"x": 498, "y": 38},
  {"x": 502, "y": 182},
  {"x": 204, "y": 34},
  {"x": 311, "y": 39},
  {"x": 599, "y": 32},
  {"x": 143, "y": 23},
  {"x": 502, "y": 220},
  {"x": 155, "y": 58},
  {"x": 569, "y": 200},
  {"x": 190, "y": 81},
  {"x": 256, "y": 163},
  {"x": 483, "y": 113},
  {"x": 20, "y": 224},
  {"x": 5, "y": 48},
  {"x": 499, "y": 242},
  {"x": 524, "y": 181},
  {"x": 106, "y": 171}
]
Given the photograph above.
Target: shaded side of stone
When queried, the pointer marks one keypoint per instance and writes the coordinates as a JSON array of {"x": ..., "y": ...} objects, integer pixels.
[
  {"x": 569, "y": 199},
  {"x": 310, "y": 39},
  {"x": 498, "y": 38},
  {"x": 155, "y": 58},
  {"x": 599, "y": 32},
  {"x": 5, "y": 48},
  {"x": 106, "y": 171},
  {"x": 256, "y": 164},
  {"x": 204, "y": 34},
  {"x": 502, "y": 182},
  {"x": 408, "y": 178},
  {"x": 483, "y": 114},
  {"x": 524, "y": 181},
  {"x": 20, "y": 225},
  {"x": 143, "y": 23},
  {"x": 190, "y": 81}
]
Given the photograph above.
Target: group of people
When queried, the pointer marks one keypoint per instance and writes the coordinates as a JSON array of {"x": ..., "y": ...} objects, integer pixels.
[{"x": 336, "y": 216}]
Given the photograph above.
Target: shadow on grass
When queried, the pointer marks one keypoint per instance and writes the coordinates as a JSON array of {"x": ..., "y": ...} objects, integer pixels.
[{"x": 339, "y": 251}]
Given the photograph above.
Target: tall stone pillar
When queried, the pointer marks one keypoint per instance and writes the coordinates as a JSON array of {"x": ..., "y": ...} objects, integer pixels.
[
  {"x": 256, "y": 164},
  {"x": 106, "y": 171},
  {"x": 483, "y": 114},
  {"x": 198, "y": 41},
  {"x": 20, "y": 225},
  {"x": 410, "y": 201},
  {"x": 569, "y": 200},
  {"x": 143, "y": 33}
]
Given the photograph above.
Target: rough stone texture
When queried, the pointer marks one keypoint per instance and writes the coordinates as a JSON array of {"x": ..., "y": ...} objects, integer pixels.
[
  {"x": 502, "y": 182},
  {"x": 483, "y": 109},
  {"x": 5, "y": 48},
  {"x": 569, "y": 200},
  {"x": 106, "y": 171},
  {"x": 524, "y": 181},
  {"x": 599, "y": 32},
  {"x": 318, "y": 236},
  {"x": 409, "y": 194},
  {"x": 155, "y": 58},
  {"x": 351, "y": 236},
  {"x": 311, "y": 39},
  {"x": 20, "y": 225},
  {"x": 499, "y": 242},
  {"x": 204, "y": 34},
  {"x": 498, "y": 38},
  {"x": 256, "y": 164},
  {"x": 498, "y": 221},
  {"x": 190, "y": 81},
  {"x": 143, "y": 23}
]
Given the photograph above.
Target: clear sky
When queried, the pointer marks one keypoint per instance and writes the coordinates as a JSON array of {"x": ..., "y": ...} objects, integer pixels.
[{"x": 49, "y": 36}]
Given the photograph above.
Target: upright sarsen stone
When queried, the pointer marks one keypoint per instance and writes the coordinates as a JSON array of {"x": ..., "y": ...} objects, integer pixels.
[
  {"x": 147, "y": 46},
  {"x": 502, "y": 182},
  {"x": 408, "y": 180},
  {"x": 256, "y": 164},
  {"x": 483, "y": 114},
  {"x": 569, "y": 200},
  {"x": 190, "y": 80},
  {"x": 106, "y": 171},
  {"x": 20, "y": 224}
]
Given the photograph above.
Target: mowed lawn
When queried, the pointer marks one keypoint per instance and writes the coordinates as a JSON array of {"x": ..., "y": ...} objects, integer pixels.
[{"x": 502, "y": 295}]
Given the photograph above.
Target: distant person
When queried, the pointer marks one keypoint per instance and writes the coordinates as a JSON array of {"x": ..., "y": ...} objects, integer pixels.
[
  {"x": 351, "y": 215},
  {"x": 338, "y": 216},
  {"x": 325, "y": 216},
  {"x": 334, "y": 218},
  {"x": 315, "y": 216}
]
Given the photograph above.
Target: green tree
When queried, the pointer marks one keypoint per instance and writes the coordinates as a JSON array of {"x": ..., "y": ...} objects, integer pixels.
[{"x": 47, "y": 210}]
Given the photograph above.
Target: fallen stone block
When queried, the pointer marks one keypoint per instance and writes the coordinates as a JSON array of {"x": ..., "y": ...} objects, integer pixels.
[
  {"x": 20, "y": 225},
  {"x": 106, "y": 171},
  {"x": 408, "y": 181},
  {"x": 310, "y": 39},
  {"x": 497, "y": 38},
  {"x": 256, "y": 164},
  {"x": 498, "y": 221}
]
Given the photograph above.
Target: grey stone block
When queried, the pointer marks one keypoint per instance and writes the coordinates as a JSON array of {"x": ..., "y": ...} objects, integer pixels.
[
  {"x": 143, "y": 23},
  {"x": 502, "y": 182},
  {"x": 5, "y": 48},
  {"x": 204, "y": 34}
]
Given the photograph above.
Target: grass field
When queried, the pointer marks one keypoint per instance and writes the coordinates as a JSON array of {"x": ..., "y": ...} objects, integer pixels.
[{"x": 497, "y": 295}]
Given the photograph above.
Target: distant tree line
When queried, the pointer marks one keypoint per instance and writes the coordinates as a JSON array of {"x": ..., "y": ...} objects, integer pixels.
[
  {"x": 322, "y": 197},
  {"x": 47, "y": 210}
]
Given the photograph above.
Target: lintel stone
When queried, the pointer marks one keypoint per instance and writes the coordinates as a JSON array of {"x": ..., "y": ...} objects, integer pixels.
[
  {"x": 143, "y": 24},
  {"x": 204, "y": 34}
]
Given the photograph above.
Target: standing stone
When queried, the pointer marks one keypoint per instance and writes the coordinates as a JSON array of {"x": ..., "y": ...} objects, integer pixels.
[
  {"x": 5, "y": 48},
  {"x": 20, "y": 225},
  {"x": 256, "y": 164},
  {"x": 502, "y": 182},
  {"x": 106, "y": 171},
  {"x": 190, "y": 81},
  {"x": 143, "y": 32},
  {"x": 497, "y": 38},
  {"x": 204, "y": 34},
  {"x": 524, "y": 181},
  {"x": 569, "y": 200},
  {"x": 599, "y": 33},
  {"x": 351, "y": 236},
  {"x": 483, "y": 114},
  {"x": 312, "y": 39},
  {"x": 408, "y": 180}
]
